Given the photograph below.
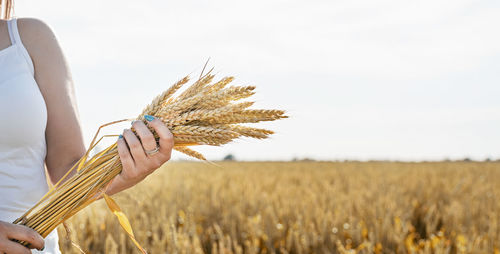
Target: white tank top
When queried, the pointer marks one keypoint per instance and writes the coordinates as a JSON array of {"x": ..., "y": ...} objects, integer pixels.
[{"x": 23, "y": 119}]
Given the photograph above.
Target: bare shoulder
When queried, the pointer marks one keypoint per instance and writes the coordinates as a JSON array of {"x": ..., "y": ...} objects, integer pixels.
[
  {"x": 32, "y": 29},
  {"x": 51, "y": 69},
  {"x": 37, "y": 36}
]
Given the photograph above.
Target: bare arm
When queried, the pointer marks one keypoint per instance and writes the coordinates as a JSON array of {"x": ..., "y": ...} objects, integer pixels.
[{"x": 63, "y": 134}]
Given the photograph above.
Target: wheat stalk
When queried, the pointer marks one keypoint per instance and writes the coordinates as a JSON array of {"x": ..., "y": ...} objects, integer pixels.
[{"x": 204, "y": 114}]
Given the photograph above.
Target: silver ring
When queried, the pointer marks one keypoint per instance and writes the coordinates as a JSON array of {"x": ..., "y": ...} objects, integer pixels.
[{"x": 151, "y": 152}]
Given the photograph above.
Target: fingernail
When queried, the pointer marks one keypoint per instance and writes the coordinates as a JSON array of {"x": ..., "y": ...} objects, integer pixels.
[
  {"x": 120, "y": 136},
  {"x": 43, "y": 248},
  {"x": 149, "y": 118}
]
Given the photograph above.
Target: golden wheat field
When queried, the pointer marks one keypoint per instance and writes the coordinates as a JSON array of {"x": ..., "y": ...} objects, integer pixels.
[{"x": 302, "y": 207}]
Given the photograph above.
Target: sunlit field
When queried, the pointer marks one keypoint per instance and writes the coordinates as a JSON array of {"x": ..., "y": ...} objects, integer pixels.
[{"x": 302, "y": 207}]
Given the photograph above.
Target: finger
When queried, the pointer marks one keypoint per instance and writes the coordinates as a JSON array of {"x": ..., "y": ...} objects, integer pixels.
[
  {"x": 125, "y": 156},
  {"x": 147, "y": 138},
  {"x": 166, "y": 137},
  {"x": 135, "y": 146},
  {"x": 23, "y": 233},
  {"x": 13, "y": 247}
]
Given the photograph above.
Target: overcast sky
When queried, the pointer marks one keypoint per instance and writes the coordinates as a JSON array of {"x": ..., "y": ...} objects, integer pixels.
[{"x": 388, "y": 79}]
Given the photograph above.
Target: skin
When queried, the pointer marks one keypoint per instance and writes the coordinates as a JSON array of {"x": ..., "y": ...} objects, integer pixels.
[{"x": 63, "y": 133}]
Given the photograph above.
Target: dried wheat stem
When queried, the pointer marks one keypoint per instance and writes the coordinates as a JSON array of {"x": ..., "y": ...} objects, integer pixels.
[
  {"x": 156, "y": 104},
  {"x": 197, "y": 86},
  {"x": 220, "y": 84},
  {"x": 204, "y": 114},
  {"x": 203, "y": 131},
  {"x": 248, "y": 131},
  {"x": 190, "y": 152}
]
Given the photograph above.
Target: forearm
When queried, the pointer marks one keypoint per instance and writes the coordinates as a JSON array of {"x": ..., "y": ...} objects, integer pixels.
[
  {"x": 118, "y": 185},
  {"x": 57, "y": 173}
]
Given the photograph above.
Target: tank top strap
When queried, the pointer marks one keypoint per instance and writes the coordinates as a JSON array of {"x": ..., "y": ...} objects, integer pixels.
[
  {"x": 13, "y": 32},
  {"x": 15, "y": 39}
]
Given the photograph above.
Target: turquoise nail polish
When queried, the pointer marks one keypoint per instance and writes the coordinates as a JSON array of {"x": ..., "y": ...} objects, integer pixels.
[
  {"x": 120, "y": 136},
  {"x": 149, "y": 118}
]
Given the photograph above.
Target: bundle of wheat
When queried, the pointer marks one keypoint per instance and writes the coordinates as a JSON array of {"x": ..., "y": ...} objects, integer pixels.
[{"x": 203, "y": 114}]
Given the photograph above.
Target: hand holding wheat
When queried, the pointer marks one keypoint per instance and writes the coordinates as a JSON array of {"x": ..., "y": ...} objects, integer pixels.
[
  {"x": 135, "y": 156},
  {"x": 205, "y": 113},
  {"x": 9, "y": 231}
]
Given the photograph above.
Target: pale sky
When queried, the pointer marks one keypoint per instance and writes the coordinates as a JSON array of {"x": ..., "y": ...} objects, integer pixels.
[{"x": 388, "y": 79}]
